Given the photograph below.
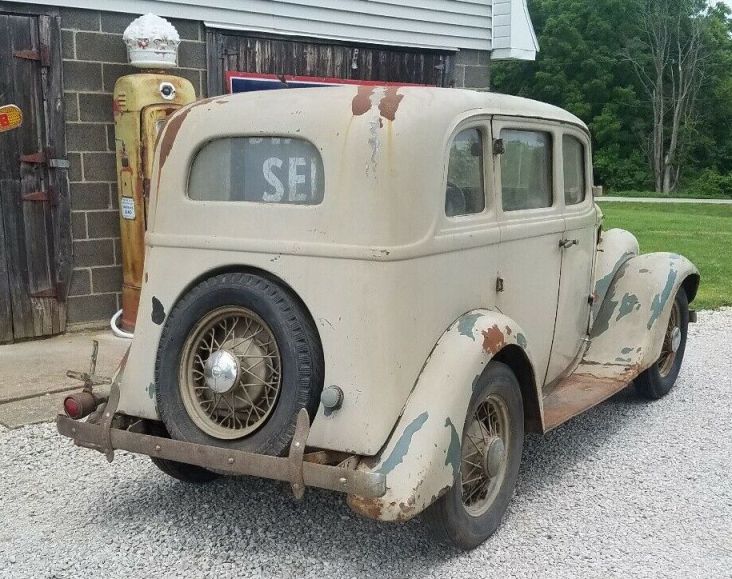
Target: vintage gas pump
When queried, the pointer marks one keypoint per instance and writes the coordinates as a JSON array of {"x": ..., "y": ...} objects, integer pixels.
[{"x": 142, "y": 103}]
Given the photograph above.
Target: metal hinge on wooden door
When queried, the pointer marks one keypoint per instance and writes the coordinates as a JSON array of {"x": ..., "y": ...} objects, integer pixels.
[
  {"x": 45, "y": 157},
  {"x": 43, "y": 55}
]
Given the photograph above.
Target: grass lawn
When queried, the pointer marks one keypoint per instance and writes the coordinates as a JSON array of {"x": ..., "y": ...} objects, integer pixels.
[
  {"x": 674, "y": 195},
  {"x": 702, "y": 233}
]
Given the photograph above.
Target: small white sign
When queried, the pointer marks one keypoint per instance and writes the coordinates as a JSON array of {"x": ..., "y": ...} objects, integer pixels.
[{"x": 127, "y": 205}]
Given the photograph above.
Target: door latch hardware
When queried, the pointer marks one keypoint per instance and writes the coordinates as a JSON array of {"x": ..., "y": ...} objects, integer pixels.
[
  {"x": 59, "y": 163},
  {"x": 499, "y": 284},
  {"x": 567, "y": 243},
  {"x": 498, "y": 147}
]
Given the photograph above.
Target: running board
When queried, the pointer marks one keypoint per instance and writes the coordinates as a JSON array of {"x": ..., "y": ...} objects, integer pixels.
[{"x": 586, "y": 387}]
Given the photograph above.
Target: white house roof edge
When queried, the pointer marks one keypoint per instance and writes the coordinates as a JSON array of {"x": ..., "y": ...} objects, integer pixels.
[{"x": 442, "y": 26}]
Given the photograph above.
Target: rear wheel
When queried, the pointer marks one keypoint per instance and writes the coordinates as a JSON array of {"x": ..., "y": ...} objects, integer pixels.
[
  {"x": 657, "y": 381},
  {"x": 238, "y": 358},
  {"x": 491, "y": 448}
]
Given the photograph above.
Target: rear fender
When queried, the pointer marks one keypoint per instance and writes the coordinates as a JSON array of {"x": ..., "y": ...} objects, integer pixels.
[
  {"x": 631, "y": 321},
  {"x": 421, "y": 459}
]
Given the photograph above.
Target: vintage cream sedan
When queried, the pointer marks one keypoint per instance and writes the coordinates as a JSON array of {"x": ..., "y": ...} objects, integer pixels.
[{"x": 378, "y": 291}]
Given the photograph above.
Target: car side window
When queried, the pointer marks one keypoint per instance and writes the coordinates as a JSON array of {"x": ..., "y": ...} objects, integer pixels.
[
  {"x": 465, "y": 193},
  {"x": 526, "y": 170},
  {"x": 574, "y": 170}
]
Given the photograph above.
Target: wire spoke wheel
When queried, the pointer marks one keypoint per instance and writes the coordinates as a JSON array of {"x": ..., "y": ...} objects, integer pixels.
[
  {"x": 671, "y": 342},
  {"x": 230, "y": 373},
  {"x": 485, "y": 440}
]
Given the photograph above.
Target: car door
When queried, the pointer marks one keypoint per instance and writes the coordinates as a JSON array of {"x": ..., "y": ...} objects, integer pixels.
[
  {"x": 577, "y": 252},
  {"x": 532, "y": 225}
]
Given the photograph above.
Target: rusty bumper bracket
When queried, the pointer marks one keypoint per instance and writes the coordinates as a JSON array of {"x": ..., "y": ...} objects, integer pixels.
[{"x": 291, "y": 469}]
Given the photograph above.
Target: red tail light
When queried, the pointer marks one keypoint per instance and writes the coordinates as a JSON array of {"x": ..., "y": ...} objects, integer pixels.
[
  {"x": 80, "y": 404},
  {"x": 72, "y": 408}
]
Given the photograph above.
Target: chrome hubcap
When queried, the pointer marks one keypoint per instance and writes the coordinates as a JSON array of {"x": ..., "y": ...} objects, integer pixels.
[
  {"x": 493, "y": 457},
  {"x": 671, "y": 342},
  {"x": 485, "y": 439},
  {"x": 675, "y": 339},
  {"x": 221, "y": 371}
]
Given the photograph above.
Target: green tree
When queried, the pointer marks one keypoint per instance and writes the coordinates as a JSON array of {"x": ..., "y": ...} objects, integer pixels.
[
  {"x": 591, "y": 54},
  {"x": 581, "y": 68}
]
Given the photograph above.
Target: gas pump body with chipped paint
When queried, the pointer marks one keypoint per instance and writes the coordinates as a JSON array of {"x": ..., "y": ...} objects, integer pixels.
[{"x": 141, "y": 104}]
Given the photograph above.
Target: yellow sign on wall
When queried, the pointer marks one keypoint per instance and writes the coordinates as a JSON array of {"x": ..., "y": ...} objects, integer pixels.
[{"x": 11, "y": 117}]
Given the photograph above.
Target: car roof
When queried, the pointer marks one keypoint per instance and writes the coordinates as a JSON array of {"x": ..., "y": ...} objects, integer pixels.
[{"x": 429, "y": 103}]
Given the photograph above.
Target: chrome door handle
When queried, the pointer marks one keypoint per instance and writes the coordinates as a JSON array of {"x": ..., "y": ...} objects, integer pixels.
[{"x": 567, "y": 243}]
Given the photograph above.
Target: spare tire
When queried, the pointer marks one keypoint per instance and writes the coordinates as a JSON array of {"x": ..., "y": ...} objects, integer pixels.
[{"x": 238, "y": 358}]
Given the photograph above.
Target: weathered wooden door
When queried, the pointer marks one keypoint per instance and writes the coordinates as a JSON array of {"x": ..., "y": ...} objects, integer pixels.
[
  {"x": 35, "y": 236},
  {"x": 298, "y": 57}
]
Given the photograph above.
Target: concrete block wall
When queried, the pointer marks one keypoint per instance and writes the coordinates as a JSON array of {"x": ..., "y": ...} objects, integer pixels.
[
  {"x": 471, "y": 69},
  {"x": 94, "y": 57}
]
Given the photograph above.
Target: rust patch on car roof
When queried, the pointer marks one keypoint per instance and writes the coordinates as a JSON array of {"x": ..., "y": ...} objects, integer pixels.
[
  {"x": 493, "y": 339},
  {"x": 171, "y": 130},
  {"x": 390, "y": 103},
  {"x": 361, "y": 103}
]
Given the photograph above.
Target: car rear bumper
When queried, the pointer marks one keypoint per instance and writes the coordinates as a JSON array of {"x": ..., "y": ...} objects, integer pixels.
[{"x": 294, "y": 468}]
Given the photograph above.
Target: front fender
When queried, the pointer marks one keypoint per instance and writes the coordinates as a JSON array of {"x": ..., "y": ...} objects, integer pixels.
[
  {"x": 632, "y": 319},
  {"x": 422, "y": 457},
  {"x": 616, "y": 246}
]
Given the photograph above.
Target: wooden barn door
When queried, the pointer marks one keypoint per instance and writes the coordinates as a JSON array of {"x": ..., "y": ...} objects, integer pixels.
[
  {"x": 35, "y": 236},
  {"x": 300, "y": 57}
]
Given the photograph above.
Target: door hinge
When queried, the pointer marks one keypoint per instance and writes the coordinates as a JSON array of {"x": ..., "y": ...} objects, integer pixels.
[
  {"x": 48, "y": 196},
  {"x": 591, "y": 300},
  {"x": 498, "y": 147},
  {"x": 46, "y": 293},
  {"x": 45, "y": 157},
  {"x": 58, "y": 292},
  {"x": 35, "y": 196},
  {"x": 499, "y": 284},
  {"x": 41, "y": 56},
  {"x": 38, "y": 158}
]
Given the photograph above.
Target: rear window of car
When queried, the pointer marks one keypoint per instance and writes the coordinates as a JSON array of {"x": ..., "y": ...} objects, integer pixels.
[
  {"x": 258, "y": 169},
  {"x": 526, "y": 170}
]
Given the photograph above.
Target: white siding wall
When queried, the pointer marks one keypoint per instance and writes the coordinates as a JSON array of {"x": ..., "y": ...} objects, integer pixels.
[
  {"x": 438, "y": 24},
  {"x": 513, "y": 33}
]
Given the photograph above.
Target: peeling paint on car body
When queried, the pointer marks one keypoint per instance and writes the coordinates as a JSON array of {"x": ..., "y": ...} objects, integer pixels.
[
  {"x": 158, "y": 312},
  {"x": 431, "y": 464},
  {"x": 466, "y": 324},
  {"x": 661, "y": 299},
  {"x": 453, "y": 455},
  {"x": 615, "y": 248},
  {"x": 627, "y": 305},
  {"x": 401, "y": 447},
  {"x": 636, "y": 322},
  {"x": 389, "y": 103}
]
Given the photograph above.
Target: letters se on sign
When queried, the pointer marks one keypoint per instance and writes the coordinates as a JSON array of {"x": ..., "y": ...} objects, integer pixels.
[{"x": 258, "y": 169}]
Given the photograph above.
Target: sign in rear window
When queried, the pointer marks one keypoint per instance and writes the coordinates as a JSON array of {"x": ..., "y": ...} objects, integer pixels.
[{"x": 258, "y": 169}]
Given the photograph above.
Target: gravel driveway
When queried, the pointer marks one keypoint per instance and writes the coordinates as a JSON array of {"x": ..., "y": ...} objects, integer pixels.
[{"x": 630, "y": 488}]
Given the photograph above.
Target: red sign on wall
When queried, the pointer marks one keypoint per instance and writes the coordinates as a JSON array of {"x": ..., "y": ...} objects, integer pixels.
[
  {"x": 11, "y": 117},
  {"x": 253, "y": 81}
]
